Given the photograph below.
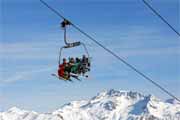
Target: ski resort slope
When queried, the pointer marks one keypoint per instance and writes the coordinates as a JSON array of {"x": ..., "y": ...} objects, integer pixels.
[{"x": 107, "y": 105}]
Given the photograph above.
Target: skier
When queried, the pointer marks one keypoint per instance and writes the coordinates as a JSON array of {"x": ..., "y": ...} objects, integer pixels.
[
  {"x": 61, "y": 71},
  {"x": 84, "y": 65},
  {"x": 76, "y": 66}
]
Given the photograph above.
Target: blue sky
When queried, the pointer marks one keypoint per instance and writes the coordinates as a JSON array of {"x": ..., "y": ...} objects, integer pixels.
[{"x": 31, "y": 37}]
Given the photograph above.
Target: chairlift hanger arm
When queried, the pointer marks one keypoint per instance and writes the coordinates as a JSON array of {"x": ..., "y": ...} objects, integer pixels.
[
  {"x": 65, "y": 36},
  {"x": 64, "y": 24}
]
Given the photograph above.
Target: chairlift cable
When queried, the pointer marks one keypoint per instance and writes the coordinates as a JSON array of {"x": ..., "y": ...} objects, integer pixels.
[
  {"x": 162, "y": 18},
  {"x": 114, "y": 54}
]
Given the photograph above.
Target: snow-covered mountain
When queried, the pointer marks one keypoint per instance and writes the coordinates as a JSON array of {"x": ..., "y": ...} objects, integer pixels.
[{"x": 108, "y": 105}]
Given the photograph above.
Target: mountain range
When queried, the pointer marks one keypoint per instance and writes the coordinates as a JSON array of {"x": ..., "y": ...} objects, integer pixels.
[{"x": 107, "y": 105}]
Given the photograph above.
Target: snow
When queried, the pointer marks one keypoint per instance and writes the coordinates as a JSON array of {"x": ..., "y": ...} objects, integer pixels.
[{"x": 107, "y": 105}]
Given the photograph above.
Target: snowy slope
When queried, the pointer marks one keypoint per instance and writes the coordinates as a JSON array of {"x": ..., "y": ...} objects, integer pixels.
[{"x": 108, "y": 105}]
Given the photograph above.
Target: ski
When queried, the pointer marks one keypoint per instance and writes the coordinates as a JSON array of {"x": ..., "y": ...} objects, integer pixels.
[{"x": 61, "y": 78}]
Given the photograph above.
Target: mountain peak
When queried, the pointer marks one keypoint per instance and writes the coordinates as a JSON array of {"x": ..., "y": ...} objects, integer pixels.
[{"x": 116, "y": 93}]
